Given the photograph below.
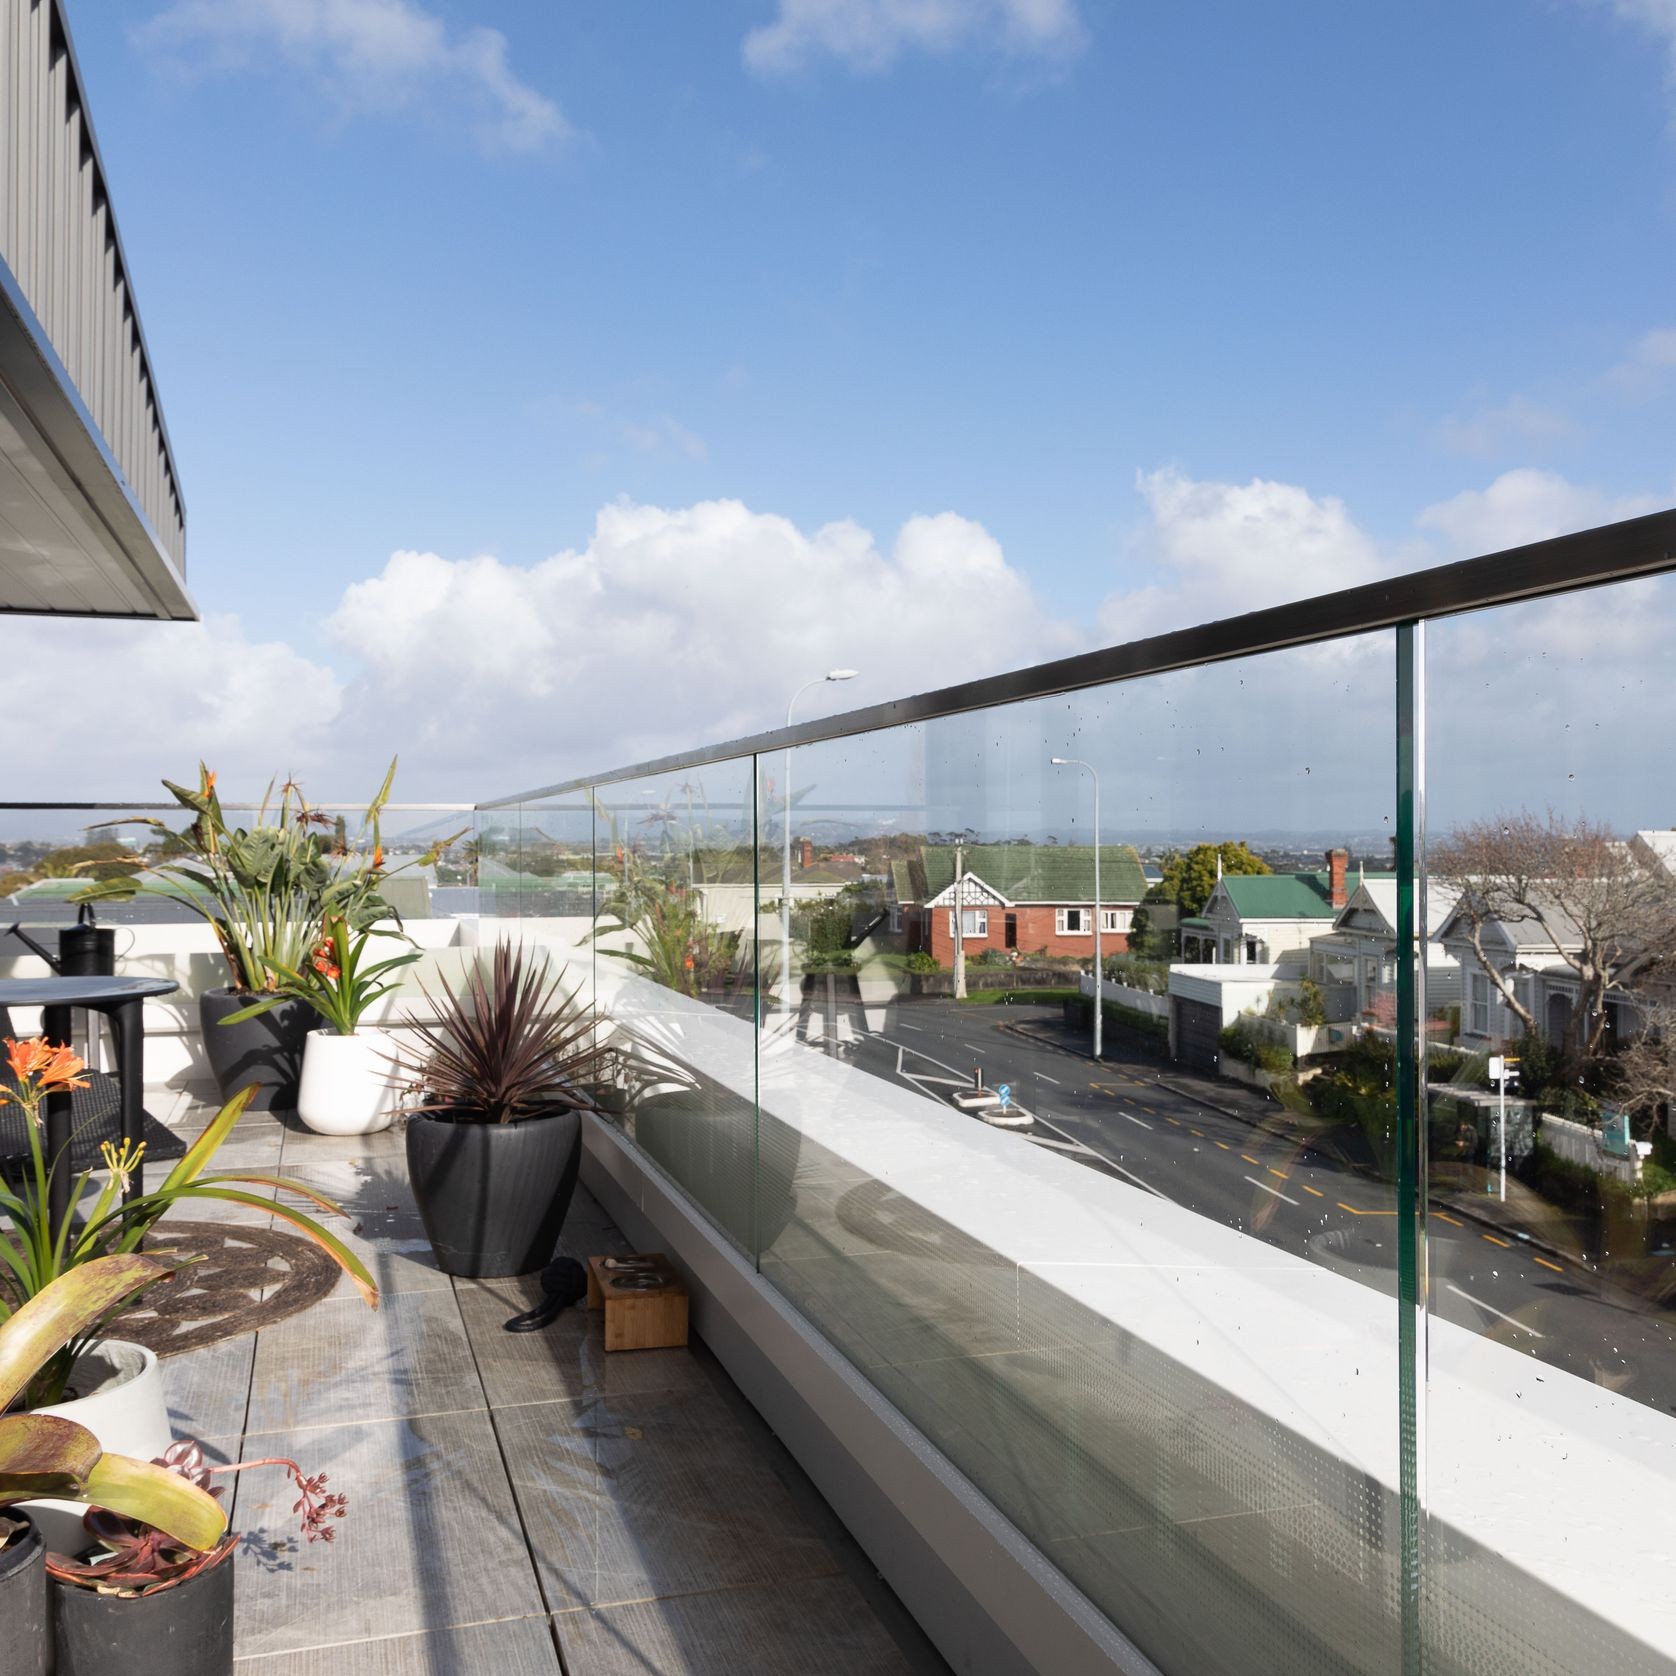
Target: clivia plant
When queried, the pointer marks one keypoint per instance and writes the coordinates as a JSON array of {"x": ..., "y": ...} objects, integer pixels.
[{"x": 102, "y": 1224}]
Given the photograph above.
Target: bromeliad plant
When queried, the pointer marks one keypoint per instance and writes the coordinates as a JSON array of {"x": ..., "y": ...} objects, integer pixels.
[
  {"x": 34, "y": 1253},
  {"x": 336, "y": 979},
  {"x": 507, "y": 1047},
  {"x": 44, "y": 1455},
  {"x": 141, "y": 1559}
]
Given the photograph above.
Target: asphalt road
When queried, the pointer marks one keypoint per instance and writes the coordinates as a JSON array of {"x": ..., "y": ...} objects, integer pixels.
[{"x": 1121, "y": 1118}]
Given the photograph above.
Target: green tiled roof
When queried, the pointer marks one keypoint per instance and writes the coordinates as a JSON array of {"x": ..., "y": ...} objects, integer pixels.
[
  {"x": 1039, "y": 872},
  {"x": 1280, "y": 895}
]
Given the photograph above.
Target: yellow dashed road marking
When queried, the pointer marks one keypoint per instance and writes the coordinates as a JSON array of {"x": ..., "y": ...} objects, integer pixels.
[
  {"x": 1281, "y": 1173},
  {"x": 1315, "y": 1190},
  {"x": 1449, "y": 1219},
  {"x": 1249, "y": 1159},
  {"x": 1547, "y": 1265},
  {"x": 1506, "y": 1245},
  {"x": 1354, "y": 1212}
]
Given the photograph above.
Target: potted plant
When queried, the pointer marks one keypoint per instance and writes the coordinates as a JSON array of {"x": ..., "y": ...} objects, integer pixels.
[
  {"x": 502, "y": 1072},
  {"x": 110, "y": 1387},
  {"x": 141, "y": 1598},
  {"x": 47, "y": 1453},
  {"x": 346, "y": 1087},
  {"x": 266, "y": 892}
]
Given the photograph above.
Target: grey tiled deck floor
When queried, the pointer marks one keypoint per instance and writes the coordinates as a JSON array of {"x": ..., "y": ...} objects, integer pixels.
[{"x": 518, "y": 1504}]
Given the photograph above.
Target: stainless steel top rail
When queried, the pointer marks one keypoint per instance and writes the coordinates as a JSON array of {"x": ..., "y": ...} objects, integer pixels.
[{"x": 1590, "y": 559}]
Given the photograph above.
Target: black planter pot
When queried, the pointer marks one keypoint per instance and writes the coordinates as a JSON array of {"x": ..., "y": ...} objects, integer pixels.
[
  {"x": 266, "y": 1050},
  {"x": 183, "y": 1631},
  {"x": 25, "y": 1641},
  {"x": 493, "y": 1196}
]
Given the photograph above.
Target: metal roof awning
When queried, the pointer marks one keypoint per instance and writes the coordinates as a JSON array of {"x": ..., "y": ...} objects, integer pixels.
[{"x": 73, "y": 538}]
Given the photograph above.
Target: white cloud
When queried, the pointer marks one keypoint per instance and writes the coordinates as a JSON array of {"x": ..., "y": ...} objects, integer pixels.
[
  {"x": 1227, "y": 548},
  {"x": 664, "y": 433},
  {"x": 370, "y": 57},
  {"x": 190, "y": 691},
  {"x": 673, "y": 626},
  {"x": 1523, "y": 506},
  {"x": 1647, "y": 365},
  {"x": 870, "y": 35},
  {"x": 1485, "y": 431}
]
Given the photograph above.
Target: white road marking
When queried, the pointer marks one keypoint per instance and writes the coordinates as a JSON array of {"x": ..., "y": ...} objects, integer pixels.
[
  {"x": 918, "y": 1029},
  {"x": 1134, "y": 1178},
  {"x": 1136, "y": 1120},
  {"x": 1046, "y": 1078},
  {"x": 1479, "y": 1303},
  {"x": 1274, "y": 1190}
]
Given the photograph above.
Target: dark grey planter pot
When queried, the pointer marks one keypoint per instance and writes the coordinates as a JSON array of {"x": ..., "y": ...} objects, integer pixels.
[
  {"x": 24, "y": 1634},
  {"x": 183, "y": 1631},
  {"x": 266, "y": 1050},
  {"x": 493, "y": 1196}
]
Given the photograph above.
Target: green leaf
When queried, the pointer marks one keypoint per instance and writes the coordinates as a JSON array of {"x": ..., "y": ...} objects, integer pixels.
[
  {"x": 66, "y": 1309},
  {"x": 207, "y": 1144}
]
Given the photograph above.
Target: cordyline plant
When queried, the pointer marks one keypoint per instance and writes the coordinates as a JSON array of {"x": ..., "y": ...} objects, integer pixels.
[
  {"x": 266, "y": 891},
  {"x": 45, "y": 1455},
  {"x": 140, "y": 1559},
  {"x": 34, "y": 1253},
  {"x": 507, "y": 1047}
]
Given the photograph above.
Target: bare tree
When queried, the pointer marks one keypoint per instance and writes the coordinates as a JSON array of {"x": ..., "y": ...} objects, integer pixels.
[
  {"x": 1575, "y": 889},
  {"x": 1644, "y": 1073}
]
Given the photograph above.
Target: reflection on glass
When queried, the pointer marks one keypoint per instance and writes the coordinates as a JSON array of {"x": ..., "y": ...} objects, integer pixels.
[
  {"x": 1146, "y": 1303},
  {"x": 674, "y": 940},
  {"x": 1552, "y": 1168}
]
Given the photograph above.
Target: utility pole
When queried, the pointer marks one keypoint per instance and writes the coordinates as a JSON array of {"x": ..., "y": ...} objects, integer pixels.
[
  {"x": 959, "y": 928},
  {"x": 1099, "y": 964}
]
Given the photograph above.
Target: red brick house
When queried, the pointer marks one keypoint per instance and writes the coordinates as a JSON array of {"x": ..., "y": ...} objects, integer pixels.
[{"x": 1019, "y": 898}]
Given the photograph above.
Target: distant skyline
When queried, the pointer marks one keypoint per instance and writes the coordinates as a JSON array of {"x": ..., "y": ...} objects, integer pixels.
[{"x": 557, "y": 386}]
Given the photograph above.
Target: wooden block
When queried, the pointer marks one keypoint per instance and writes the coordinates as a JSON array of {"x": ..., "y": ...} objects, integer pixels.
[{"x": 642, "y": 1318}]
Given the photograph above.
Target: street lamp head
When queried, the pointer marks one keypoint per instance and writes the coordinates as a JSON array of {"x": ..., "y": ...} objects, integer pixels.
[
  {"x": 842, "y": 674},
  {"x": 1060, "y": 762}
]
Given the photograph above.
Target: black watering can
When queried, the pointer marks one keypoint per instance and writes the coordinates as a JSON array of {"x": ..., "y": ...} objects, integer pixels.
[{"x": 85, "y": 949}]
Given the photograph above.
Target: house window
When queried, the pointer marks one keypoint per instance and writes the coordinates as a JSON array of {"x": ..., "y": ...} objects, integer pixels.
[
  {"x": 1478, "y": 1003},
  {"x": 974, "y": 922},
  {"x": 1074, "y": 922},
  {"x": 1115, "y": 919},
  {"x": 1252, "y": 952},
  {"x": 896, "y": 916}
]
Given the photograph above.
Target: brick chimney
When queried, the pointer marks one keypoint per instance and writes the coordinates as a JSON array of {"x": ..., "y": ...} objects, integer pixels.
[
  {"x": 1338, "y": 866},
  {"x": 805, "y": 852}
]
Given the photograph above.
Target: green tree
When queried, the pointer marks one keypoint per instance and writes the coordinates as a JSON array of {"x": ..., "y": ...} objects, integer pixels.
[
  {"x": 1190, "y": 876},
  {"x": 1140, "y": 932}
]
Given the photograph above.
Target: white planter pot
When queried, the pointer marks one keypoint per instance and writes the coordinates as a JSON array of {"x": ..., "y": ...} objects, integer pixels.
[
  {"x": 346, "y": 1088},
  {"x": 124, "y": 1408}
]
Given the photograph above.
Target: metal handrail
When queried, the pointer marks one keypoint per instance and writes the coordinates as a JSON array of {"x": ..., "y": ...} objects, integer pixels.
[{"x": 1593, "y": 558}]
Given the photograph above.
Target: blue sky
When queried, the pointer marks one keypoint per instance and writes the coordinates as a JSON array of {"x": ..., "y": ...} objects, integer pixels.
[{"x": 1085, "y": 317}]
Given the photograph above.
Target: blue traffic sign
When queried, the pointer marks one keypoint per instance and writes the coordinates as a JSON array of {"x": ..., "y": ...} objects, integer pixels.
[{"x": 1005, "y": 1095}]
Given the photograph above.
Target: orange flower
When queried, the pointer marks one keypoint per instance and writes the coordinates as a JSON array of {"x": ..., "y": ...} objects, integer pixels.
[
  {"x": 26, "y": 1058},
  {"x": 377, "y": 856},
  {"x": 209, "y": 781},
  {"x": 62, "y": 1071}
]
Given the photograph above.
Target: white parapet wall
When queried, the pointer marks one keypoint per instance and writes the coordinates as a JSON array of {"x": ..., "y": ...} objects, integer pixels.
[{"x": 1550, "y": 1518}]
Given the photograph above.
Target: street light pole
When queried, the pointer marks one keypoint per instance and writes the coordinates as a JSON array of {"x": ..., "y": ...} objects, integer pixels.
[
  {"x": 785, "y": 837},
  {"x": 1099, "y": 967}
]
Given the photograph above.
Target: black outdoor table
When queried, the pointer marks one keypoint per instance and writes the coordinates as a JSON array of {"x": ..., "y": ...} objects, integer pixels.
[{"x": 122, "y": 1001}]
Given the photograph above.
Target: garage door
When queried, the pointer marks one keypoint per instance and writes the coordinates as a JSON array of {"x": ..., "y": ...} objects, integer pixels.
[{"x": 1197, "y": 1028}]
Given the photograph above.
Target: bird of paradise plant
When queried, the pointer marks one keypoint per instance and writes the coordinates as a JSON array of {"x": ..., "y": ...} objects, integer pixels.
[
  {"x": 266, "y": 891},
  {"x": 34, "y": 1252}
]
